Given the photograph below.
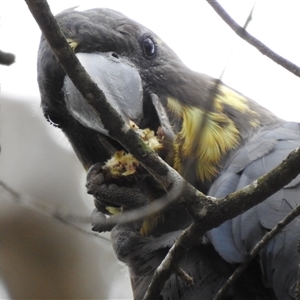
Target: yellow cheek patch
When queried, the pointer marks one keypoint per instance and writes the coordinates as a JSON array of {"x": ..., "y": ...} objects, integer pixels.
[
  {"x": 207, "y": 145},
  {"x": 175, "y": 106}
]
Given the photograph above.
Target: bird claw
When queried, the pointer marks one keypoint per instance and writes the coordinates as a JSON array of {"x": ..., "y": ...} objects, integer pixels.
[
  {"x": 98, "y": 221},
  {"x": 94, "y": 178}
]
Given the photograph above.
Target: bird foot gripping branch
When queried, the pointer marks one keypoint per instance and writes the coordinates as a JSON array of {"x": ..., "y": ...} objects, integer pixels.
[
  {"x": 226, "y": 140},
  {"x": 122, "y": 175}
]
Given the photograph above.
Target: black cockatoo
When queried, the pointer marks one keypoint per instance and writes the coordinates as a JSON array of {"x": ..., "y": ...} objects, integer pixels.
[{"x": 218, "y": 144}]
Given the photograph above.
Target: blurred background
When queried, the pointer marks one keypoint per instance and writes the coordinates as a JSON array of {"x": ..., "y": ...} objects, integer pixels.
[{"x": 41, "y": 257}]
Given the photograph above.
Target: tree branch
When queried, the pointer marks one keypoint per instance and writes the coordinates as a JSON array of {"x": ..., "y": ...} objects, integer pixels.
[
  {"x": 34, "y": 204},
  {"x": 210, "y": 212},
  {"x": 259, "y": 246},
  {"x": 242, "y": 33},
  {"x": 186, "y": 240}
]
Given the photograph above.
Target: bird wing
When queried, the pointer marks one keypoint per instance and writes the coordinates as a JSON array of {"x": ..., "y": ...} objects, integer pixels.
[{"x": 235, "y": 238}]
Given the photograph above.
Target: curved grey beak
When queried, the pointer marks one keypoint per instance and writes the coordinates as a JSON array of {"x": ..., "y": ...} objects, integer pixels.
[{"x": 120, "y": 82}]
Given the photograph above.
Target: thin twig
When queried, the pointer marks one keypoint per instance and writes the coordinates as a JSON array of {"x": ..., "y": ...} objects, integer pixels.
[
  {"x": 259, "y": 246},
  {"x": 184, "y": 276},
  {"x": 212, "y": 212},
  {"x": 169, "y": 265},
  {"x": 209, "y": 104},
  {"x": 47, "y": 210},
  {"x": 242, "y": 33},
  {"x": 288, "y": 65}
]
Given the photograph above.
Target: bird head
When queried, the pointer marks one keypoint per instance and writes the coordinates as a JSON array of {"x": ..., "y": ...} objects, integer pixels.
[
  {"x": 126, "y": 61},
  {"x": 136, "y": 69}
]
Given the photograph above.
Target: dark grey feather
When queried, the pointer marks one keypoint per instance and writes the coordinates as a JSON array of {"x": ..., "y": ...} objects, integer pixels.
[{"x": 235, "y": 238}]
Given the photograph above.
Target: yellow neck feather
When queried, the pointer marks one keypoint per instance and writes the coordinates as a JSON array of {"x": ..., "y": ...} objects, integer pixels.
[{"x": 205, "y": 137}]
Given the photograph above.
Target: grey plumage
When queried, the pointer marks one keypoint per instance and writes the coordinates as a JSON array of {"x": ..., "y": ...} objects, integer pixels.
[{"x": 235, "y": 238}]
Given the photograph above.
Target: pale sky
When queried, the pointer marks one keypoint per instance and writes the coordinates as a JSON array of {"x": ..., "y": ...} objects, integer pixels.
[{"x": 196, "y": 34}]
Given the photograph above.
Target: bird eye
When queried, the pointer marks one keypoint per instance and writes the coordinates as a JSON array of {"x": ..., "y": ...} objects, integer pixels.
[
  {"x": 149, "y": 47},
  {"x": 54, "y": 120}
]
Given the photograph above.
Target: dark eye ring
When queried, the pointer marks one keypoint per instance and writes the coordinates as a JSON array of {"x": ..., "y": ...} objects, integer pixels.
[{"x": 149, "y": 47}]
